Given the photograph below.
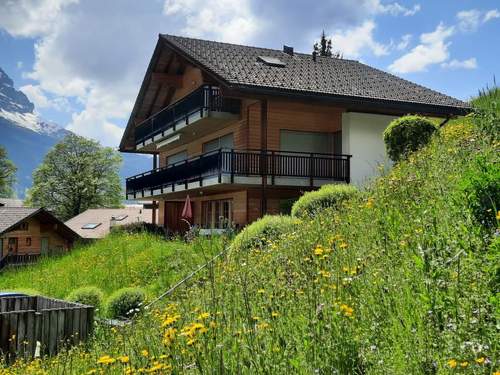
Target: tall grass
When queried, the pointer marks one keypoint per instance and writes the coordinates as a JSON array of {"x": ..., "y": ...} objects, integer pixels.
[{"x": 398, "y": 282}]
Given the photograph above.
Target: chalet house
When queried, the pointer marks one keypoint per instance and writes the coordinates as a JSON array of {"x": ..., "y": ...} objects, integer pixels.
[
  {"x": 242, "y": 130},
  {"x": 26, "y": 233}
]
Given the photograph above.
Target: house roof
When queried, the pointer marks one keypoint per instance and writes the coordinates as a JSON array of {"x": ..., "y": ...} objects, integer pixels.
[
  {"x": 345, "y": 83},
  {"x": 102, "y": 216},
  {"x": 10, "y": 202},
  {"x": 12, "y": 216},
  {"x": 242, "y": 67}
]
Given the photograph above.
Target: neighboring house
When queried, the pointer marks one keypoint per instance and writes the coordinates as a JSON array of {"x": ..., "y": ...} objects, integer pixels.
[
  {"x": 243, "y": 129},
  {"x": 11, "y": 202},
  {"x": 26, "y": 233},
  {"x": 97, "y": 222}
]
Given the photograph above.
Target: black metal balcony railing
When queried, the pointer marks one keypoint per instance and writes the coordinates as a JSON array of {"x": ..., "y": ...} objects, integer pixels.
[
  {"x": 243, "y": 163},
  {"x": 206, "y": 98}
]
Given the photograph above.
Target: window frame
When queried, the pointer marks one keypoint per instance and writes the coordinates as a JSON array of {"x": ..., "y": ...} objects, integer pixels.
[{"x": 217, "y": 213}]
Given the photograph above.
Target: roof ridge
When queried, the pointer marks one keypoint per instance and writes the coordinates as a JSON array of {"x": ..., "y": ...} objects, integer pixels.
[{"x": 295, "y": 53}]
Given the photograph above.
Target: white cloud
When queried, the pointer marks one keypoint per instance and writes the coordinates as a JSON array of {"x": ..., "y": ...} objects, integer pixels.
[
  {"x": 353, "y": 42},
  {"x": 30, "y": 18},
  {"x": 491, "y": 14},
  {"x": 405, "y": 41},
  {"x": 396, "y": 9},
  {"x": 433, "y": 49},
  {"x": 225, "y": 20},
  {"x": 457, "y": 64},
  {"x": 40, "y": 99},
  {"x": 470, "y": 20}
]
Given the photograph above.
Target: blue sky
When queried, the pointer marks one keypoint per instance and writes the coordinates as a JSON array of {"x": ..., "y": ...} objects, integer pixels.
[{"x": 82, "y": 62}]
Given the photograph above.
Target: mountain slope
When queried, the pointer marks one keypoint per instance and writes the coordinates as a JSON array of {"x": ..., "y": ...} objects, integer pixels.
[{"x": 27, "y": 137}]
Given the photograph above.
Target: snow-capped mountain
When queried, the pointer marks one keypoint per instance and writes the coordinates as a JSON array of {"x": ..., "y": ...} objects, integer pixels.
[
  {"x": 28, "y": 138},
  {"x": 16, "y": 108}
]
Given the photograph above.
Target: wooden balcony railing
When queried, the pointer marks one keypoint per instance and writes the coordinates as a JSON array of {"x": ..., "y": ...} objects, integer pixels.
[
  {"x": 205, "y": 99},
  {"x": 18, "y": 259},
  {"x": 243, "y": 163}
]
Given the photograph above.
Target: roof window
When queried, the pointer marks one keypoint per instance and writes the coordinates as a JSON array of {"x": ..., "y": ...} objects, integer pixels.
[
  {"x": 91, "y": 225},
  {"x": 119, "y": 218},
  {"x": 271, "y": 61}
]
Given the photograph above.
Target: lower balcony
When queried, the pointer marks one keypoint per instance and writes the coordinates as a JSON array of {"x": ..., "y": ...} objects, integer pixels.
[{"x": 242, "y": 167}]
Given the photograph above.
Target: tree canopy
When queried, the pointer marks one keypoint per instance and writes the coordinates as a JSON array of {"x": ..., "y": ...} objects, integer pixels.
[
  {"x": 7, "y": 175},
  {"x": 324, "y": 47},
  {"x": 77, "y": 174}
]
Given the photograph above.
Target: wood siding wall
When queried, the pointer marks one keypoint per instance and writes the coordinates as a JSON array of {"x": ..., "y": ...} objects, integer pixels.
[{"x": 36, "y": 231}]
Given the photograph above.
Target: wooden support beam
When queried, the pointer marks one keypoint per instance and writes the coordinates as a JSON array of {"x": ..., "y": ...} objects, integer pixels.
[{"x": 174, "y": 80}]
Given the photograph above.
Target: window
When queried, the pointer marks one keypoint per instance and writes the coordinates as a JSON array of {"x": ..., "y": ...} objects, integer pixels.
[
  {"x": 119, "y": 218},
  {"x": 217, "y": 214},
  {"x": 23, "y": 226},
  {"x": 225, "y": 141},
  {"x": 90, "y": 225},
  {"x": 28, "y": 241},
  {"x": 271, "y": 61},
  {"x": 299, "y": 141},
  {"x": 175, "y": 158}
]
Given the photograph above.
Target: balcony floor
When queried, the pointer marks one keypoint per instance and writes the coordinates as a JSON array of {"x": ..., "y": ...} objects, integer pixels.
[
  {"x": 196, "y": 126},
  {"x": 212, "y": 184}
]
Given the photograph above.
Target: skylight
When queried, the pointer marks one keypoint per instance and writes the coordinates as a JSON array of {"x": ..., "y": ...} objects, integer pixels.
[
  {"x": 271, "y": 61},
  {"x": 91, "y": 225},
  {"x": 119, "y": 218}
]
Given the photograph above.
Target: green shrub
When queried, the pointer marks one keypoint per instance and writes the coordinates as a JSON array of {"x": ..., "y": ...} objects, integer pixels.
[
  {"x": 482, "y": 189},
  {"x": 407, "y": 134},
  {"x": 256, "y": 235},
  {"x": 327, "y": 196},
  {"x": 88, "y": 295},
  {"x": 125, "y": 302}
]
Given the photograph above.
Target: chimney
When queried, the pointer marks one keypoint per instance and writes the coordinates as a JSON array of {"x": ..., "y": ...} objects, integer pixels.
[
  {"x": 314, "y": 55},
  {"x": 288, "y": 50}
]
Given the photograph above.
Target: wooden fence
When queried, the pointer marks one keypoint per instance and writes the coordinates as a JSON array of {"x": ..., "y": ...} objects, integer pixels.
[{"x": 54, "y": 324}]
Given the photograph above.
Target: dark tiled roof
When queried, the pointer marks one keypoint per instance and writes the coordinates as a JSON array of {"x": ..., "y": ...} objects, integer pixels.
[
  {"x": 238, "y": 66},
  {"x": 10, "y": 216}
]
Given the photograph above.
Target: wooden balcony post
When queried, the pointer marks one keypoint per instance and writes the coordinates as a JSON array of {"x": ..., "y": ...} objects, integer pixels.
[
  {"x": 219, "y": 165},
  {"x": 311, "y": 169},
  {"x": 232, "y": 166}
]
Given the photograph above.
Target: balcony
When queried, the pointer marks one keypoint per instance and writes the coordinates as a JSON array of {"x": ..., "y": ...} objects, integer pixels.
[
  {"x": 204, "y": 106},
  {"x": 243, "y": 167}
]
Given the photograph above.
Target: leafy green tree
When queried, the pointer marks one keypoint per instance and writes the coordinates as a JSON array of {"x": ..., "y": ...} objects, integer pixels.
[
  {"x": 324, "y": 47},
  {"x": 7, "y": 175},
  {"x": 77, "y": 174}
]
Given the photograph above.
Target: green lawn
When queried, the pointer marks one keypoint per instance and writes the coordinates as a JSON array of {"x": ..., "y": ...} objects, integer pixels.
[{"x": 117, "y": 261}]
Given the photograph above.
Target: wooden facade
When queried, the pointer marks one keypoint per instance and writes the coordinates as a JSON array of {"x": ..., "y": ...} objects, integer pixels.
[
  {"x": 32, "y": 234},
  {"x": 259, "y": 126}
]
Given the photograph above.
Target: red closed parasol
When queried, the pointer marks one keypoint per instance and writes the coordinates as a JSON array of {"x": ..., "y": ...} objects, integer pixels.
[{"x": 187, "y": 211}]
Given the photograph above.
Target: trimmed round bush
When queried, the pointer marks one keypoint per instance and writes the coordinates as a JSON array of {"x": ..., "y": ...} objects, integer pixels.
[
  {"x": 88, "y": 295},
  {"x": 327, "y": 196},
  {"x": 125, "y": 302},
  {"x": 407, "y": 134},
  {"x": 257, "y": 234}
]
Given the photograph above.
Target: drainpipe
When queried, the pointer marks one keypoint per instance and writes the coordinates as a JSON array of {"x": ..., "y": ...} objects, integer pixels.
[
  {"x": 155, "y": 165},
  {"x": 263, "y": 146}
]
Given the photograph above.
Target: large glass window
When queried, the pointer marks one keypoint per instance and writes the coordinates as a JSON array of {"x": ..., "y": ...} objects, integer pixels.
[
  {"x": 175, "y": 158},
  {"x": 217, "y": 214},
  {"x": 299, "y": 141},
  {"x": 225, "y": 141}
]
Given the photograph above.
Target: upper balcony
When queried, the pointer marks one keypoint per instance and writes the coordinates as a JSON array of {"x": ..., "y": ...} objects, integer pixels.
[
  {"x": 187, "y": 118},
  {"x": 243, "y": 167}
]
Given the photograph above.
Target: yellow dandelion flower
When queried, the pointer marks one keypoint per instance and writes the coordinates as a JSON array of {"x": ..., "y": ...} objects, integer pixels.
[
  {"x": 480, "y": 360},
  {"x": 204, "y": 315},
  {"x": 319, "y": 250},
  {"x": 464, "y": 364},
  {"x": 106, "y": 360},
  {"x": 145, "y": 353},
  {"x": 124, "y": 359},
  {"x": 452, "y": 363},
  {"x": 274, "y": 314}
]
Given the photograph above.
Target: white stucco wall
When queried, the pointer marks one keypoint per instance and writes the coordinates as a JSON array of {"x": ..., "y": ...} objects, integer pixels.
[{"x": 362, "y": 137}]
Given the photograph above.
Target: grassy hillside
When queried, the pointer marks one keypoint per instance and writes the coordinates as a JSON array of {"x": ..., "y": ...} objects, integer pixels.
[
  {"x": 117, "y": 261},
  {"x": 403, "y": 280}
]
